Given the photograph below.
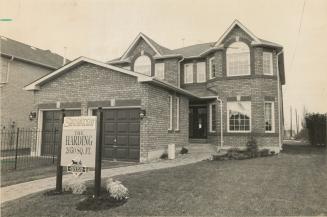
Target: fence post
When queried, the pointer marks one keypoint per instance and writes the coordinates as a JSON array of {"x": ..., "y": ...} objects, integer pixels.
[
  {"x": 59, "y": 167},
  {"x": 54, "y": 145},
  {"x": 16, "y": 150}
]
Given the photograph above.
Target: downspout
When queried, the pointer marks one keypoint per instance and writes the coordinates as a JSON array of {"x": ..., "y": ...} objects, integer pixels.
[
  {"x": 179, "y": 72},
  {"x": 278, "y": 101},
  {"x": 221, "y": 125}
]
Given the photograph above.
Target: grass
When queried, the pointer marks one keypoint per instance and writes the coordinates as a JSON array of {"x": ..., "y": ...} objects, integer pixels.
[
  {"x": 293, "y": 183},
  {"x": 39, "y": 171}
]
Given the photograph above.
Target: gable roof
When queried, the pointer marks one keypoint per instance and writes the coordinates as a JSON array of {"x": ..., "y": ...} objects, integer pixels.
[
  {"x": 140, "y": 77},
  {"x": 27, "y": 53},
  {"x": 160, "y": 50},
  {"x": 193, "y": 51}
]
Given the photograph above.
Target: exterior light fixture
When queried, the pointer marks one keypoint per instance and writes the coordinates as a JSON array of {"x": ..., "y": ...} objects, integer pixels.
[
  {"x": 32, "y": 115},
  {"x": 142, "y": 113}
]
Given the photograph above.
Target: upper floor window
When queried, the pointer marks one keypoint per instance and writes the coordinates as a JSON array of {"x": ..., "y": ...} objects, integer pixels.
[
  {"x": 267, "y": 63},
  {"x": 201, "y": 72},
  {"x": 212, "y": 68},
  {"x": 239, "y": 116},
  {"x": 159, "y": 71},
  {"x": 238, "y": 59},
  {"x": 143, "y": 65},
  {"x": 188, "y": 73},
  {"x": 170, "y": 100}
]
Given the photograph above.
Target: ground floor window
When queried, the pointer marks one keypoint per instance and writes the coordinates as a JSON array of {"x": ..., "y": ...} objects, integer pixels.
[
  {"x": 269, "y": 117},
  {"x": 239, "y": 116},
  {"x": 212, "y": 117}
]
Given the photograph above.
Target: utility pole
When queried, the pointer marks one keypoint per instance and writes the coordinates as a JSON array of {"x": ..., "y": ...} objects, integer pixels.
[{"x": 296, "y": 122}]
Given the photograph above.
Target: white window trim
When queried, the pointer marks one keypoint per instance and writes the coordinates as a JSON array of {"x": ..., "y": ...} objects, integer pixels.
[
  {"x": 271, "y": 64},
  {"x": 210, "y": 118},
  {"x": 177, "y": 113},
  {"x": 191, "y": 65},
  {"x": 249, "y": 66},
  {"x": 272, "y": 116},
  {"x": 204, "y": 72},
  {"x": 239, "y": 131},
  {"x": 170, "y": 112},
  {"x": 6, "y": 80},
  {"x": 155, "y": 70},
  {"x": 210, "y": 67}
]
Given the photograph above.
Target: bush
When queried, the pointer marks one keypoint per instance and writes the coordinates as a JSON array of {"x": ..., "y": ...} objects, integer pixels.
[
  {"x": 184, "y": 151},
  {"x": 316, "y": 125},
  {"x": 164, "y": 156},
  {"x": 264, "y": 152},
  {"x": 77, "y": 187},
  {"x": 252, "y": 147},
  {"x": 116, "y": 190}
]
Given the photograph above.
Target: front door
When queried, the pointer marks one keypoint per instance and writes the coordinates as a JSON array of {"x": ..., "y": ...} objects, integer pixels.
[{"x": 198, "y": 122}]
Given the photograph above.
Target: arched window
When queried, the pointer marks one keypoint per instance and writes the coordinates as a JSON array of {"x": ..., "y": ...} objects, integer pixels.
[
  {"x": 238, "y": 59},
  {"x": 143, "y": 65}
]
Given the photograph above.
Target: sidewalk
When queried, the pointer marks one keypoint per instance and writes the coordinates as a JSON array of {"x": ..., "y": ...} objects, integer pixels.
[{"x": 13, "y": 192}]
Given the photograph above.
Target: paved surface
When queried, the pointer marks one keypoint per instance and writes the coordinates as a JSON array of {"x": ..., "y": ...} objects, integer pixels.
[{"x": 197, "y": 153}]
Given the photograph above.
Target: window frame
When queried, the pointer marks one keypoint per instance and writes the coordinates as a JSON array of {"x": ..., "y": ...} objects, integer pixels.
[
  {"x": 4, "y": 79},
  {"x": 210, "y": 68},
  {"x": 271, "y": 69},
  {"x": 250, "y": 117},
  {"x": 177, "y": 113},
  {"x": 228, "y": 73},
  {"x": 192, "y": 73},
  {"x": 170, "y": 100},
  {"x": 211, "y": 119},
  {"x": 272, "y": 103},
  {"x": 156, "y": 65},
  {"x": 150, "y": 66},
  {"x": 203, "y": 72}
]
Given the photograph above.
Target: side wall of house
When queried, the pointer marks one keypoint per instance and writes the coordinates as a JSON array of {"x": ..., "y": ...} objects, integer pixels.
[{"x": 16, "y": 103}]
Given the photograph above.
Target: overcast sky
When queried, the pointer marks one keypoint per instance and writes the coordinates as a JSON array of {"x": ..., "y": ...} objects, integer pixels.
[{"x": 103, "y": 30}]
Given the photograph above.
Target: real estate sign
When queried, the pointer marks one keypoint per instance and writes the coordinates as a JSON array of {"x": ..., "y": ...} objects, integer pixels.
[{"x": 78, "y": 142}]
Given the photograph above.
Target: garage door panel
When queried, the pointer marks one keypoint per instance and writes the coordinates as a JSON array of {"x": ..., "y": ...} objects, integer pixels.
[
  {"x": 122, "y": 153},
  {"x": 122, "y": 127},
  {"x": 134, "y": 141},
  {"x": 134, "y": 154},
  {"x": 109, "y": 127},
  {"x": 134, "y": 128},
  {"x": 108, "y": 115},
  {"x": 107, "y": 152},
  {"x": 109, "y": 139},
  {"x": 122, "y": 140},
  {"x": 134, "y": 115}
]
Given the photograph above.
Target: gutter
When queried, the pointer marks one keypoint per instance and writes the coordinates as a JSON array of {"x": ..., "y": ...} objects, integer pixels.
[{"x": 29, "y": 61}]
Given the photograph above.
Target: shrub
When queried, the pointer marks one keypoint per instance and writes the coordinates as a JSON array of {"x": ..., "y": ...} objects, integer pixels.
[
  {"x": 252, "y": 147},
  {"x": 116, "y": 190},
  {"x": 184, "y": 151},
  {"x": 164, "y": 156},
  {"x": 264, "y": 152},
  {"x": 316, "y": 125},
  {"x": 77, "y": 187}
]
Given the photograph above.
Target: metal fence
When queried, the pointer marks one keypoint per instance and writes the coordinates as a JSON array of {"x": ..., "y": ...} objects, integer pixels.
[{"x": 28, "y": 148}]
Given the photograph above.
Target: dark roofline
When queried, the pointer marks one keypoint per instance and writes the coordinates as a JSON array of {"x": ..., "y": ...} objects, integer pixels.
[{"x": 27, "y": 61}]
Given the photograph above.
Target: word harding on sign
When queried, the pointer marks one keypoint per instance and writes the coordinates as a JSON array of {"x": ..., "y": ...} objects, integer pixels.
[{"x": 78, "y": 143}]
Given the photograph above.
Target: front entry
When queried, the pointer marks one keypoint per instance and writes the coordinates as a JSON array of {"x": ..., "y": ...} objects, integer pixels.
[
  {"x": 198, "y": 122},
  {"x": 121, "y": 134}
]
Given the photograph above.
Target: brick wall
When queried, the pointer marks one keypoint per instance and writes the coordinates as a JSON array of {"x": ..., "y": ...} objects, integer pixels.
[
  {"x": 16, "y": 103},
  {"x": 88, "y": 83}
]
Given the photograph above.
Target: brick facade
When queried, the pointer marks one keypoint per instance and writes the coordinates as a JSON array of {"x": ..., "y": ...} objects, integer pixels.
[{"x": 88, "y": 84}]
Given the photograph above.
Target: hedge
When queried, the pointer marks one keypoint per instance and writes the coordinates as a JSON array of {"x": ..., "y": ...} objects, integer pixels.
[{"x": 316, "y": 125}]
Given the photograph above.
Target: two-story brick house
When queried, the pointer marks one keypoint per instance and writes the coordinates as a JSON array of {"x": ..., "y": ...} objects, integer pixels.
[
  {"x": 220, "y": 93},
  {"x": 20, "y": 64}
]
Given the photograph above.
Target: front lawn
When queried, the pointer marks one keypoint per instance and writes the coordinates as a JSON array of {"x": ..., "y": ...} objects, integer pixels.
[{"x": 293, "y": 183}]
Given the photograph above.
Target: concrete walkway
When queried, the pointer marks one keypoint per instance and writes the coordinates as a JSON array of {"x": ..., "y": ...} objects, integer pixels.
[{"x": 197, "y": 153}]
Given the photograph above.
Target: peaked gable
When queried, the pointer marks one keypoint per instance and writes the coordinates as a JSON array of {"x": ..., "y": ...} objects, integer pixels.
[{"x": 238, "y": 29}]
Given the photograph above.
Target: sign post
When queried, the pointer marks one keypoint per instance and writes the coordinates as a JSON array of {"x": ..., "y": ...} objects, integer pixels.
[
  {"x": 98, "y": 158},
  {"x": 59, "y": 167}
]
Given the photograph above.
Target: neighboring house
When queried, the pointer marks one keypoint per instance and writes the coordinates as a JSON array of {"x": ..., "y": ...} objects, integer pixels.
[
  {"x": 179, "y": 91},
  {"x": 20, "y": 64}
]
